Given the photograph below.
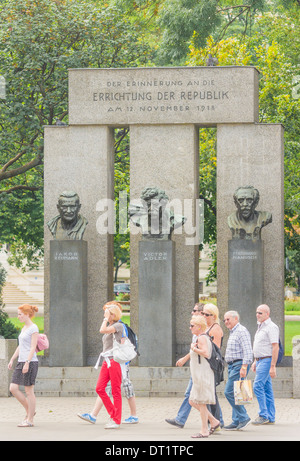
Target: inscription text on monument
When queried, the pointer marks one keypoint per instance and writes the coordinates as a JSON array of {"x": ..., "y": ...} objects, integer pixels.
[{"x": 154, "y": 95}]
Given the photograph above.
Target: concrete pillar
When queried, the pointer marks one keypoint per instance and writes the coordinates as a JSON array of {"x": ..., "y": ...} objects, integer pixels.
[
  {"x": 80, "y": 158},
  {"x": 167, "y": 157},
  {"x": 7, "y": 348},
  {"x": 252, "y": 154},
  {"x": 296, "y": 367}
]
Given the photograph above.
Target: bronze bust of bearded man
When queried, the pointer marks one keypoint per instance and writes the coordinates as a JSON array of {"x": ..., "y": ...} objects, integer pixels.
[{"x": 247, "y": 223}]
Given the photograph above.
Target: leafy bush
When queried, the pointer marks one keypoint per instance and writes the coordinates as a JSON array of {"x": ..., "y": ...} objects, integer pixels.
[{"x": 7, "y": 329}]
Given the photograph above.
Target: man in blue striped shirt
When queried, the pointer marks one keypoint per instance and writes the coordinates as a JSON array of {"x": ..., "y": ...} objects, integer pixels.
[{"x": 239, "y": 357}]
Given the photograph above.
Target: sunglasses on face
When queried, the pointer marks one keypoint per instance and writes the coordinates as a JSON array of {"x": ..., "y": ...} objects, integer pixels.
[
  {"x": 196, "y": 310},
  {"x": 207, "y": 315}
]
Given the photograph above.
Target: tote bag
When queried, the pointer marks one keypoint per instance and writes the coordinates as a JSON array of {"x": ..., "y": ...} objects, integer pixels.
[{"x": 243, "y": 392}]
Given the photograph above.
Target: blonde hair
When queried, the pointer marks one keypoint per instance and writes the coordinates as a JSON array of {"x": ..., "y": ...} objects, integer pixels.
[
  {"x": 29, "y": 310},
  {"x": 114, "y": 308},
  {"x": 212, "y": 310},
  {"x": 199, "y": 320},
  {"x": 111, "y": 304}
]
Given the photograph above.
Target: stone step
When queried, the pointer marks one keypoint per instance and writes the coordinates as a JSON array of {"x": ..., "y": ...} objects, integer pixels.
[
  {"x": 13, "y": 297},
  {"x": 147, "y": 381}
]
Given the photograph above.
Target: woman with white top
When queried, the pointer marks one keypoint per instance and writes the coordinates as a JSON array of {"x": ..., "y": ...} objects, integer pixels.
[
  {"x": 203, "y": 390},
  {"x": 27, "y": 367}
]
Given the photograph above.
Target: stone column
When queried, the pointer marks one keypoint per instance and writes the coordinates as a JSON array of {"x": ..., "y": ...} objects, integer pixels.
[
  {"x": 68, "y": 303},
  {"x": 167, "y": 157},
  {"x": 252, "y": 154},
  {"x": 80, "y": 158},
  {"x": 296, "y": 367},
  {"x": 7, "y": 348}
]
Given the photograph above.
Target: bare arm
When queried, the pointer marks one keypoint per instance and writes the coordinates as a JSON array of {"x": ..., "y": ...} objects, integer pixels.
[
  {"x": 201, "y": 347},
  {"x": 275, "y": 350},
  {"x": 183, "y": 360},
  {"x": 217, "y": 334},
  {"x": 15, "y": 355}
]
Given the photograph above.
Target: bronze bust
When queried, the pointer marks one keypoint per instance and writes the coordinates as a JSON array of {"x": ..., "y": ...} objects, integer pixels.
[
  {"x": 247, "y": 223},
  {"x": 155, "y": 220},
  {"x": 69, "y": 224}
]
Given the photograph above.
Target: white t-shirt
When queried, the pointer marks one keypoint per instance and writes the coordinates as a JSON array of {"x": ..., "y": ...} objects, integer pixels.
[{"x": 25, "y": 343}]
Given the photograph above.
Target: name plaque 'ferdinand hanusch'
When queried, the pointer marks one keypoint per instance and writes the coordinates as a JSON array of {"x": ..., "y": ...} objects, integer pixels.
[{"x": 163, "y": 95}]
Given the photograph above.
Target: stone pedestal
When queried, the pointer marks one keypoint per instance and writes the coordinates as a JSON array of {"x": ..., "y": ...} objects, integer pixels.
[
  {"x": 68, "y": 303},
  {"x": 296, "y": 367},
  {"x": 7, "y": 348},
  {"x": 245, "y": 280},
  {"x": 156, "y": 303},
  {"x": 81, "y": 158},
  {"x": 252, "y": 154}
]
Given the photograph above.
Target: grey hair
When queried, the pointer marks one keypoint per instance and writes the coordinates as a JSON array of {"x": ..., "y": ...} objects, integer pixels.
[{"x": 234, "y": 314}]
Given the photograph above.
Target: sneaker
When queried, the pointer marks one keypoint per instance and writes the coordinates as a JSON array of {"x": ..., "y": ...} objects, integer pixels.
[
  {"x": 260, "y": 420},
  {"x": 243, "y": 424},
  {"x": 131, "y": 420},
  {"x": 112, "y": 425},
  {"x": 87, "y": 417},
  {"x": 231, "y": 427},
  {"x": 174, "y": 422}
]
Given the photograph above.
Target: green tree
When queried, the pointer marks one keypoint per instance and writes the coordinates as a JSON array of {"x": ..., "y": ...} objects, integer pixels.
[
  {"x": 122, "y": 176},
  {"x": 182, "y": 20},
  {"x": 39, "y": 41},
  {"x": 275, "y": 59}
]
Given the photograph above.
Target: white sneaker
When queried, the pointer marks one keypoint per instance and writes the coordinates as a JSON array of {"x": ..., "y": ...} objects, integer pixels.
[{"x": 112, "y": 425}]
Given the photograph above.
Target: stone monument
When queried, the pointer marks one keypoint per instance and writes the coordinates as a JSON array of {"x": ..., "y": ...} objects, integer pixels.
[
  {"x": 246, "y": 256},
  {"x": 164, "y": 108},
  {"x": 68, "y": 284},
  {"x": 157, "y": 302}
]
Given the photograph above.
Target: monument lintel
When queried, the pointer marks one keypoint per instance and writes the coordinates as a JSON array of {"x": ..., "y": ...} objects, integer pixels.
[{"x": 178, "y": 95}]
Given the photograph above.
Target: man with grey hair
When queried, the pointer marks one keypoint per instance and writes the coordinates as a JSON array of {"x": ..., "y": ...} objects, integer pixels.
[
  {"x": 238, "y": 357},
  {"x": 265, "y": 349},
  {"x": 69, "y": 224}
]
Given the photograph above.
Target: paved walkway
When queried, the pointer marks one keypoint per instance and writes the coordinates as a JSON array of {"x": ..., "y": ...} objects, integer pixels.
[{"x": 56, "y": 420}]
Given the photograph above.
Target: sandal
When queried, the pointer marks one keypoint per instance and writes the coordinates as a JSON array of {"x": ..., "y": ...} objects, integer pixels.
[
  {"x": 213, "y": 429},
  {"x": 25, "y": 424},
  {"x": 199, "y": 436}
]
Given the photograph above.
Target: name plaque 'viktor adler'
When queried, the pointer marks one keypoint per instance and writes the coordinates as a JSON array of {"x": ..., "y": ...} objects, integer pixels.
[{"x": 163, "y": 95}]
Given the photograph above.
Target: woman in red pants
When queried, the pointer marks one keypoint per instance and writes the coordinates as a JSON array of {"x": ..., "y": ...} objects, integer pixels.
[{"x": 111, "y": 370}]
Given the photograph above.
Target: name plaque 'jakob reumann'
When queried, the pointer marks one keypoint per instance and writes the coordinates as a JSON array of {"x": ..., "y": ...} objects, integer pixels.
[{"x": 163, "y": 95}]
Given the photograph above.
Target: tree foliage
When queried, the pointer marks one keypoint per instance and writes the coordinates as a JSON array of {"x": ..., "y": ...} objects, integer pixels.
[
  {"x": 272, "y": 50},
  {"x": 39, "y": 41}
]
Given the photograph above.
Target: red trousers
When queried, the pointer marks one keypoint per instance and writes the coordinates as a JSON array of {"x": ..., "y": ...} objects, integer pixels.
[{"x": 114, "y": 375}]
